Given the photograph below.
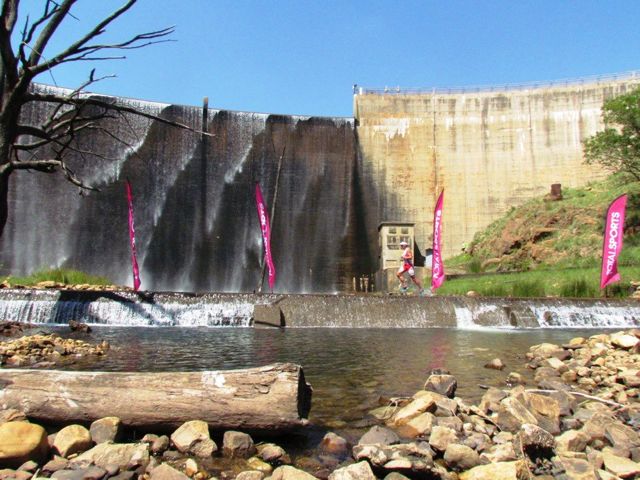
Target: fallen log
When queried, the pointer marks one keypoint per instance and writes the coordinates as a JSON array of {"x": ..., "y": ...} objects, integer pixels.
[{"x": 270, "y": 398}]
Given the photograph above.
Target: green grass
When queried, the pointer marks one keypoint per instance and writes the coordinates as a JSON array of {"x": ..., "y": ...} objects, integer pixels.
[
  {"x": 59, "y": 275},
  {"x": 561, "y": 282}
]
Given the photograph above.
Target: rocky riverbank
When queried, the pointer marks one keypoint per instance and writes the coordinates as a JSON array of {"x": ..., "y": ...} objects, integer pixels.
[{"x": 578, "y": 420}]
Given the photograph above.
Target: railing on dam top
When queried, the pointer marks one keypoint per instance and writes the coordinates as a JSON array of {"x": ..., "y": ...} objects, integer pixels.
[{"x": 596, "y": 79}]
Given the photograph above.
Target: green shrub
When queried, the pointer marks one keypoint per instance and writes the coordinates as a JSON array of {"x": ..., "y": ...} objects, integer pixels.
[
  {"x": 474, "y": 266},
  {"x": 60, "y": 275},
  {"x": 528, "y": 288}
]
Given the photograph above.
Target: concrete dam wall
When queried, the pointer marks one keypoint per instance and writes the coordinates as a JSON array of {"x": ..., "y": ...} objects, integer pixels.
[
  {"x": 196, "y": 221},
  {"x": 489, "y": 150}
]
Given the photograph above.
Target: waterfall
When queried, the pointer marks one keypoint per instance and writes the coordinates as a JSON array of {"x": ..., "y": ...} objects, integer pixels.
[{"x": 196, "y": 223}]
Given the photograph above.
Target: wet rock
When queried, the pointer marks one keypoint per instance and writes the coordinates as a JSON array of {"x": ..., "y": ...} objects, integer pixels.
[
  {"x": 287, "y": 472},
  {"x": 72, "y": 439},
  {"x": 167, "y": 472},
  {"x": 255, "y": 463},
  {"x": 395, "y": 476},
  {"x": 250, "y": 475},
  {"x": 21, "y": 442},
  {"x": 273, "y": 454},
  {"x": 107, "y": 429},
  {"x": 193, "y": 437},
  {"x": 190, "y": 467},
  {"x": 334, "y": 444},
  {"x": 443, "y": 384},
  {"x": 514, "y": 378},
  {"x": 495, "y": 364},
  {"x": 237, "y": 445},
  {"x": 357, "y": 471},
  {"x": 76, "y": 326},
  {"x": 379, "y": 435}
]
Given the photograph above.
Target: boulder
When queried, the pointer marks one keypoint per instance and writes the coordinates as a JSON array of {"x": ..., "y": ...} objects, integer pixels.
[
  {"x": 192, "y": 437},
  {"x": 577, "y": 468},
  {"x": 441, "y": 437},
  {"x": 624, "y": 340},
  {"x": 420, "y": 425},
  {"x": 424, "y": 403},
  {"x": 493, "y": 471},
  {"x": 273, "y": 454},
  {"x": 287, "y": 472},
  {"x": 106, "y": 429},
  {"x": 250, "y": 475},
  {"x": 571, "y": 441},
  {"x": 377, "y": 455},
  {"x": 499, "y": 453},
  {"x": 495, "y": 364},
  {"x": 357, "y": 471},
  {"x": 379, "y": 435},
  {"x": 334, "y": 444},
  {"x": 128, "y": 456},
  {"x": 72, "y": 439},
  {"x": 443, "y": 384},
  {"x": 22, "y": 441},
  {"x": 167, "y": 472},
  {"x": 620, "y": 466},
  {"x": 237, "y": 445},
  {"x": 535, "y": 442},
  {"x": 460, "y": 457}
]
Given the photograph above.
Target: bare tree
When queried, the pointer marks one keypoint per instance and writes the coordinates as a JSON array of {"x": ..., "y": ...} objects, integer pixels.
[{"x": 71, "y": 112}]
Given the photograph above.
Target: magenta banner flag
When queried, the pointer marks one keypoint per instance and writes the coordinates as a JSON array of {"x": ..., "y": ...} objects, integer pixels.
[
  {"x": 612, "y": 244},
  {"x": 263, "y": 216},
  {"x": 437, "y": 267},
  {"x": 132, "y": 239}
]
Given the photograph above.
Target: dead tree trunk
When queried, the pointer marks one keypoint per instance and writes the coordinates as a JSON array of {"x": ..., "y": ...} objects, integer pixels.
[{"x": 270, "y": 398}]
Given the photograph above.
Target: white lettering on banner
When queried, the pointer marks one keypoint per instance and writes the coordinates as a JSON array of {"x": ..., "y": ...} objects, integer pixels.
[
  {"x": 436, "y": 241},
  {"x": 614, "y": 227}
]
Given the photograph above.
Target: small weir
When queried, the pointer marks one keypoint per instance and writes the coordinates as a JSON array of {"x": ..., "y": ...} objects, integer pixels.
[{"x": 156, "y": 309}]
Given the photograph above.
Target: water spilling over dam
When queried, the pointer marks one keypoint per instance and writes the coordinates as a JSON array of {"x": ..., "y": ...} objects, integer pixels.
[{"x": 129, "y": 309}]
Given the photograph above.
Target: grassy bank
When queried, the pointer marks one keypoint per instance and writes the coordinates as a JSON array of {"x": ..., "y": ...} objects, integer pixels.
[
  {"x": 550, "y": 247},
  {"x": 58, "y": 275}
]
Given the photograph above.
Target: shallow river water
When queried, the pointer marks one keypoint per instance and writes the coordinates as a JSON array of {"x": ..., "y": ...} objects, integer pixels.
[{"x": 351, "y": 371}]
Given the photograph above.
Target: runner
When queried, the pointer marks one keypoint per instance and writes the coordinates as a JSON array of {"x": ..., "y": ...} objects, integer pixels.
[{"x": 407, "y": 266}]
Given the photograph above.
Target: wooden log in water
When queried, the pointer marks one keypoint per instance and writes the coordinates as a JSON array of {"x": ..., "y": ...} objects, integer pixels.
[{"x": 270, "y": 398}]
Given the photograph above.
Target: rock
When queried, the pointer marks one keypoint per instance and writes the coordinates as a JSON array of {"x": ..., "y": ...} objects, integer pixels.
[
  {"x": 58, "y": 463},
  {"x": 379, "y": 435},
  {"x": 620, "y": 436},
  {"x": 623, "y": 340},
  {"x": 395, "y": 476},
  {"x": 190, "y": 467},
  {"x": 534, "y": 441},
  {"x": 250, "y": 475},
  {"x": 375, "y": 454},
  {"x": 578, "y": 469},
  {"x": 420, "y": 425},
  {"x": 107, "y": 429},
  {"x": 490, "y": 401},
  {"x": 494, "y": 471},
  {"x": 128, "y": 456},
  {"x": 443, "y": 384},
  {"x": 460, "y": 457},
  {"x": 255, "y": 463},
  {"x": 357, "y": 471},
  {"x": 514, "y": 378},
  {"x": 495, "y": 364},
  {"x": 334, "y": 444},
  {"x": 287, "y": 472},
  {"x": 72, "y": 439},
  {"x": 499, "y": 453},
  {"x": 237, "y": 445},
  {"x": 166, "y": 472},
  {"x": 76, "y": 326},
  {"x": 417, "y": 406},
  {"x": 21, "y": 442},
  {"x": 441, "y": 437},
  {"x": 620, "y": 466},
  {"x": 193, "y": 437},
  {"x": 12, "y": 415},
  {"x": 273, "y": 454},
  {"x": 571, "y": 441},
  {"x": 511, "y": 414}
]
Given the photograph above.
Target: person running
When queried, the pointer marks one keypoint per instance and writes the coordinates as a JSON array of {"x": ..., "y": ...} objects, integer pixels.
[{"x": 407, "y": 266}]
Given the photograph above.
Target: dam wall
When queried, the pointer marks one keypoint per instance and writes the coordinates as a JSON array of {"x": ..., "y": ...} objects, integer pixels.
[
  {"x": 196, "y": 220},
  {"x": 490, "y": 150},
  {"x": 197, "y": 228}
]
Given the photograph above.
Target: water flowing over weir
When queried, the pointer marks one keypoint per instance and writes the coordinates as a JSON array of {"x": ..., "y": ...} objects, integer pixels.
[
  {"x": 130, "y": 309},
  {"x": 195, "y": 216}
]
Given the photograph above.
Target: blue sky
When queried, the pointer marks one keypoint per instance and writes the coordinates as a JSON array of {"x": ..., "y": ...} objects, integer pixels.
[{"x": 303, "y": 57}]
